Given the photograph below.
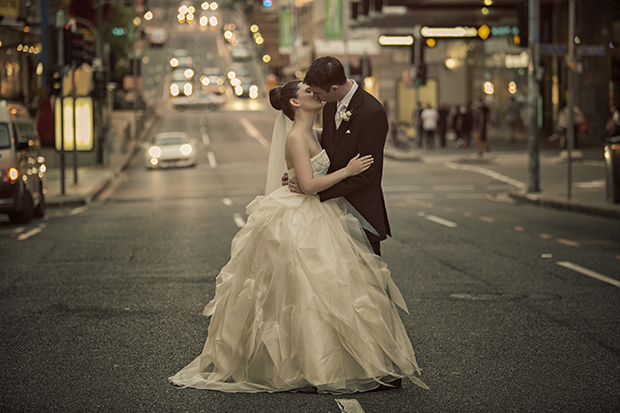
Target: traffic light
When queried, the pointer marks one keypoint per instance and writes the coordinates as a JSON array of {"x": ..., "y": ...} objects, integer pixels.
[
  {"x": 420, "y": 77},
  {"x": 74, "y": 47}
]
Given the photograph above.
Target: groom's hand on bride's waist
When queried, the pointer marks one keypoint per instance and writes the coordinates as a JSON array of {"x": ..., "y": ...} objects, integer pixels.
[{"x": 293, "y": 184}]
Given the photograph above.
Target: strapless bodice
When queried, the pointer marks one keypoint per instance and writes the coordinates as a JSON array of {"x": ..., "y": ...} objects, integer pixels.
[{"x": 320, "y": 165}]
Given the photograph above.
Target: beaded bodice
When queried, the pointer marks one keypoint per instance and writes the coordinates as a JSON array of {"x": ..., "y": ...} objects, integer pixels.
[{"x": 320, "y": 165}]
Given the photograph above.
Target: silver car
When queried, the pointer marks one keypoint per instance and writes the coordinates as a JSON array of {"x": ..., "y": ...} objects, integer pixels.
[{"x": 170, "y": 149}]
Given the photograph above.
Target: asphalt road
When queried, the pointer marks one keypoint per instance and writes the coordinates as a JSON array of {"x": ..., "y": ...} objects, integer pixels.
[{"x": 101, "y": 303}]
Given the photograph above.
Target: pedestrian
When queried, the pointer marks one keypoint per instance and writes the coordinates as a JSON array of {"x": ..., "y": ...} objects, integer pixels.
[
  {"x": 442, "y": 125},
  {"x": 579, "y": 125},
  {"x": 512, "y": 114},
  {"x": 417, "y": 120},
  {"x": 612, "y": 126},
  {"x": 464, "y": 126},
  {"x": 430, "y": 119},
  {"x": 481, "y": 118},
  {"x": 304, "y": 304}
]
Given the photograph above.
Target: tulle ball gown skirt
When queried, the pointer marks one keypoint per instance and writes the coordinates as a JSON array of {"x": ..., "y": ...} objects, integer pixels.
[{"x": 302, "y": 304}]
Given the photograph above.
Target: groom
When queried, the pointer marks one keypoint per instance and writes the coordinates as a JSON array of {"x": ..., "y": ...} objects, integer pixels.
[{"x": 353, "y": 122}]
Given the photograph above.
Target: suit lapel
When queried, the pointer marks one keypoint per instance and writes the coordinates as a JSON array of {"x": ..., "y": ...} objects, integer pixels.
[
  {"x": 353, "y": 107},
  {"x": 329, "y": 127}
]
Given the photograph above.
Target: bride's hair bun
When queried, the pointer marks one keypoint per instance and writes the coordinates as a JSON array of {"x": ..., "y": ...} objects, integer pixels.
[
  {"x": 275, "y": 97},
  {"x": 280, "y": 97}
]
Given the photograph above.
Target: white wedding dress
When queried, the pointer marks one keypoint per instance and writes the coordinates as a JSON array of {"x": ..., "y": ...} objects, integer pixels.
[{"x": 302, "y": 304}]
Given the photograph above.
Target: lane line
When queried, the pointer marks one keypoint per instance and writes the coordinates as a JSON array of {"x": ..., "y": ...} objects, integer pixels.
[
  {"x": 239, "y": 221},
  {"x": 349, "y": 406},
  {"x": 212, "y": 161},
  {"x": 78, "y": 210},
  {"x": 205, "y": 139},
  {"x": 26, "y": 235},
  {"x": 253, "y": 132},
  {"x": 441, "y": 221},
  {"x": 568, "y": 242},
  {"x": 589, "y": 273},
  {"x": 489, "y": 173},
  {"x": 486, "y": 219},
  {"x": 227, "y": 201}
]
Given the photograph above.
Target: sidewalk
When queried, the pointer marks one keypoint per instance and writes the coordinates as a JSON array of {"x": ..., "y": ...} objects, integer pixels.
[
  {"x": 94, "y": 179},
  {"x": 508, "y": 162}
]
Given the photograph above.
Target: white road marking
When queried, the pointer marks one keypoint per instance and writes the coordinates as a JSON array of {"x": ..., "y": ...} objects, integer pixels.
[
  {"x": 441, "y": 221},
  {"x": 78, "y": 210},
  {"x": 212, "y": 161},
  {"x": 253, "y": 132},
  {"x": 489, "y": 173},
  {"x": 34, "y": 231},
  {"x": 205, "y": 139},
  {"x": 239, "y": 221},
  {"x": 349, "y": 406},
  {"x": 589, "y": 273},
  {"x": 227, "y": 201}
]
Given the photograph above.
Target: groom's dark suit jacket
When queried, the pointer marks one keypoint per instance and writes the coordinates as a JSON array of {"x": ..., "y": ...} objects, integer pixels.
[{"x": 364, "y": 133}]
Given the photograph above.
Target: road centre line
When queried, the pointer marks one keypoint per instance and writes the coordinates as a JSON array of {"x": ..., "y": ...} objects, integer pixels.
[
  {"x": 589, "y": 273},
  {"x": 253, "y": 132},
  {"x": 227, "y": 201},
  {"x": 489, "y": 173},
  {"x": 441, "y": 221},
  {"x": 34, "y": 231},
  {"x": 212, "y": 161},
  {"x": 349, "y": 406},
  {"x": 205, "y": 139},
  {"x": 239, "y": 221}
]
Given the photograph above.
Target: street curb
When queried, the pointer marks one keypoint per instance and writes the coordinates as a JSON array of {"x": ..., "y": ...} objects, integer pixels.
[
  {"x": 105, "y": 183},
  {"x": 534, "y": 199}
]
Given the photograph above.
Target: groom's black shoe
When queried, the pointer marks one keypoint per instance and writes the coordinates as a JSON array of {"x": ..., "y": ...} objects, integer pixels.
[{"x": 396, "y": 384}]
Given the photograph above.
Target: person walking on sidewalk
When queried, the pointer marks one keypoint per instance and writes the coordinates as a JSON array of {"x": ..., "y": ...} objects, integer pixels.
[
  {"x": 442, "y": 125},
  {"x": 512, "y": 113},
  {"x": 464, "y": 126},
  {"x": 430, "y": 118},
  {"x": 481, "y": 118}
]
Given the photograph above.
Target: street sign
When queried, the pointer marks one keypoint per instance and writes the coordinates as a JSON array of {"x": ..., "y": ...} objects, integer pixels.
[
  {"x": 553, "y": 49},
  {"x": 549, "y": 49},
  {"x": 593, "y": 50}
]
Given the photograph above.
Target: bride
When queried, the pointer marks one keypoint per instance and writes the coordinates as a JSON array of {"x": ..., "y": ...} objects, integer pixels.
[{"x": 303, "y": 304}]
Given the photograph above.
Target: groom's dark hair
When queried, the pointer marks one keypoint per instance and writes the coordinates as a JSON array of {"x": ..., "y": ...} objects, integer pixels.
[{"x": 325, "y": 72}]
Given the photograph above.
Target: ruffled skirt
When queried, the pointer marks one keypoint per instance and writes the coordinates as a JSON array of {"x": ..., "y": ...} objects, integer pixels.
[{"x": 303, "y": 304}]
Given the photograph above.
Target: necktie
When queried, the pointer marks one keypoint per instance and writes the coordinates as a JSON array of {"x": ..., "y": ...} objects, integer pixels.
[{"x": 342, "y": 108}]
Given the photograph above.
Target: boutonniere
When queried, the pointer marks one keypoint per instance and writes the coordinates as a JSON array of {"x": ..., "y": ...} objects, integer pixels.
[{"x": 346, "y": 115}]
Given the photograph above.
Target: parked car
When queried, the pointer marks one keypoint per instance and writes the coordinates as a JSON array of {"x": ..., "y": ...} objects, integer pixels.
[
  {"x": 170, "y": 149},
  {"x": 180, "y": 85},
  {"x": 22, "y": 168}
]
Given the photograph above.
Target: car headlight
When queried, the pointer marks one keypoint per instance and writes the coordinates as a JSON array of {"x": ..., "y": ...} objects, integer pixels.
[
  {"x": 186, "y": 149},
  {"x": 155, "y": 151},
  {"x": 187, "y": 89},
  {"x": 189, "y": 73},
  {"x": 253, "y": 92},
  {"x": 174, "y": 89},
  {"x": 238, "y": 90}
]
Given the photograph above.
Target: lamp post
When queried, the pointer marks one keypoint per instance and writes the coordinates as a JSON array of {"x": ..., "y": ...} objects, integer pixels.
[{"x": 136, "y": 56}]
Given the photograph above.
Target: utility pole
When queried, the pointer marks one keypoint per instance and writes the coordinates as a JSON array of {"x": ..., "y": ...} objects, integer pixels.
[
  {"x": 570, "y": 120},
  {"x": 60, "y": 26},
  {"x": 533, "y": 92}
]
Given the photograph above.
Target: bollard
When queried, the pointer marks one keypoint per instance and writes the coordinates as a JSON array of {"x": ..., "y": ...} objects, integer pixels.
[{"x": 612, "y": 172}]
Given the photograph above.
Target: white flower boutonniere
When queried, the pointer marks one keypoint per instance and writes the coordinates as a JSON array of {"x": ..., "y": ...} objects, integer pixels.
[{"x": 346, "y": 115}]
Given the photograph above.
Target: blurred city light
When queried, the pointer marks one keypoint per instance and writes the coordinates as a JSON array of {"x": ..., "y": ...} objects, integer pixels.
[
  {"x": 489, "y": 88},
  {"x": 386, "y": 40},
  {"x": 148, "y": 16}
]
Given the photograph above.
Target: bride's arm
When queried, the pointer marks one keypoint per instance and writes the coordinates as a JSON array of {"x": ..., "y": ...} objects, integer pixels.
[{"x": 298, "y": 153}]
